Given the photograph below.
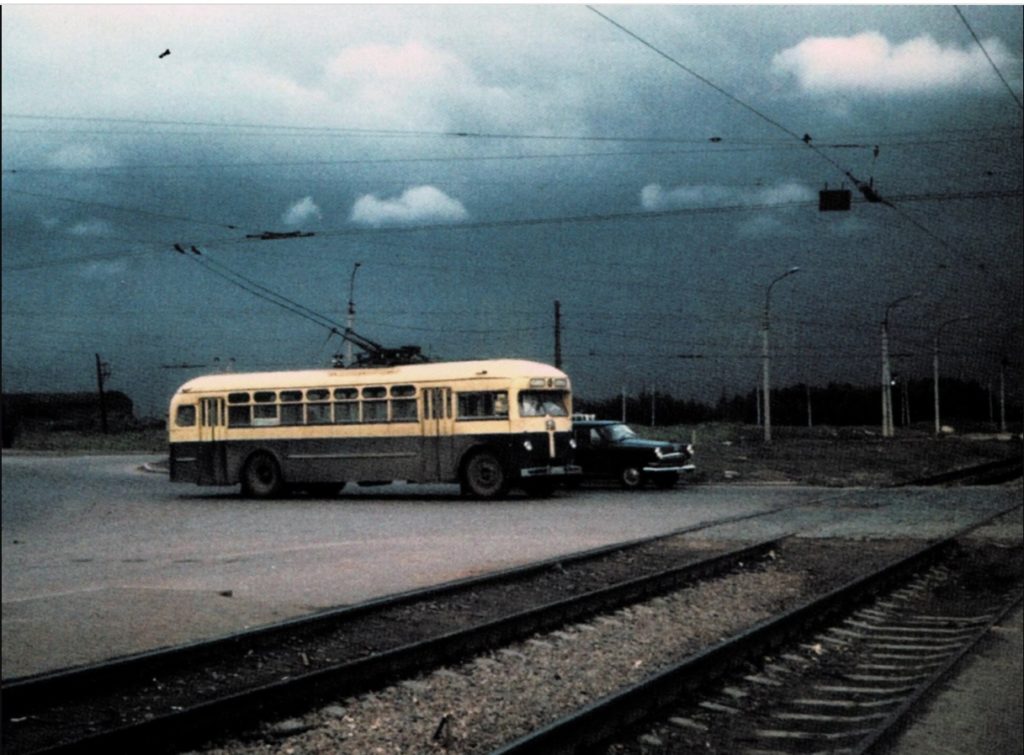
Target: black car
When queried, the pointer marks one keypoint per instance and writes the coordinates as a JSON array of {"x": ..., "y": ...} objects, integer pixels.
[{"x": 612, "y": 450}]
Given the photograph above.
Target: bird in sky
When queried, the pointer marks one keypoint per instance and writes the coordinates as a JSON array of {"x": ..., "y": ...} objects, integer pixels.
[{"x": 164, "y": 54}]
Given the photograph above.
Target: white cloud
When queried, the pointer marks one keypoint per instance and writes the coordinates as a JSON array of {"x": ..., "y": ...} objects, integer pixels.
[
  {"x": 415, "y": 86},
  {"x": 301, "y": 211},
  {"x": 870, "y": 63},
  {"x": 103, "y": 270},
  {"x": 91, "y": 227},
  {"x": 420, "y": 204},
  {"x": 654, "y": 197}
]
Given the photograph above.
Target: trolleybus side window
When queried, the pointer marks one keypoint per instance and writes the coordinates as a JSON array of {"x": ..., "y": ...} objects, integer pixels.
[
  {"x": 483, "y": 405},
  {"x": 318, "y": 410},
  {"x": 403, "y": 403},
  {"x": 291, "y": 407},
  {"x": 264, "y": 413},
  {"x": 346, "y": 405},
  {"x": 239, "y": 411},
  {"x": 375, "y": 403}
]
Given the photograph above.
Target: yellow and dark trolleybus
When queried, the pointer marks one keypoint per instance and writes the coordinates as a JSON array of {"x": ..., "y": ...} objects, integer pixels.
[{"x": 488, "y": 425}]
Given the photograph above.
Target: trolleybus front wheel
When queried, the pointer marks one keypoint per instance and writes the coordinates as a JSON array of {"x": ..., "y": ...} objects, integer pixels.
[
  {"x": 261, "y": 477},
  {"x": 484, "y": 476}
]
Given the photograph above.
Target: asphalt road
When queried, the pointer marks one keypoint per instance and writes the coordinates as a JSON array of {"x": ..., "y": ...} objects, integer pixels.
[{"x": 101, "y": 558}]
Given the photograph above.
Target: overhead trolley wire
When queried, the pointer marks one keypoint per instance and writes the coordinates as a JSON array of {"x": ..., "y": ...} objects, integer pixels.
[
  {"x": 118, "y": 208},
  {"x": 865, "y": 189},
  {"x": 989, "y": 58}
]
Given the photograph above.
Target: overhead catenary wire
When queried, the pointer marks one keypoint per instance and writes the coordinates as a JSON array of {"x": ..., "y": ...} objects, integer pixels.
[
  {"x": 988, "y": 57},
  {"x": 865, "y": 189}
]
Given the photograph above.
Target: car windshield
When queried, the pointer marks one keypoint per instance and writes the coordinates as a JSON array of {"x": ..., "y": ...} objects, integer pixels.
[
  {"x": 617, "y": 432},
  {"x": 542, "y": 403}
]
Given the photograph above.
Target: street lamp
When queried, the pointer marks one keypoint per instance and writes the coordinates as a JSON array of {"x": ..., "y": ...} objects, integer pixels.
[
  {"x": 935, "y": 366},
  {"x": 766, "y": 358},
  {"x": 351, "y": 313},
  {"x": 888, "y": 430}
]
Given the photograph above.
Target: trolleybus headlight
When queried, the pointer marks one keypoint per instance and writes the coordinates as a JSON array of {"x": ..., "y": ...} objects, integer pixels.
[{"x": 528, "y": 445}]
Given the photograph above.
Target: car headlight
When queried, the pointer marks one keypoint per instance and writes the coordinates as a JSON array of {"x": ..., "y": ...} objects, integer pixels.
[
  {"x": 572, "y": 443},
  {"x": 528, "y": 445}
]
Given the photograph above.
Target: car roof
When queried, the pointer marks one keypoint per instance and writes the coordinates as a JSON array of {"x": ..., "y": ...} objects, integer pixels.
[{"x": 596, "y": 422}]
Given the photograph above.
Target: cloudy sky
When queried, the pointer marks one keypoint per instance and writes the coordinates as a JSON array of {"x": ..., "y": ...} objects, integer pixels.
[{"x": 651, "y": 167}]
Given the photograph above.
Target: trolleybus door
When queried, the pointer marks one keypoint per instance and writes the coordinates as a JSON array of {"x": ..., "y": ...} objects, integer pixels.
[
  {"x": 437, "y": 435},
  {"x": 212, "y": 453}
]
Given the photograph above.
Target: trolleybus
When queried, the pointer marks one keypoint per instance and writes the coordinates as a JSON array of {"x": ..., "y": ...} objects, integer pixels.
[{"x": 488, "y": 425}]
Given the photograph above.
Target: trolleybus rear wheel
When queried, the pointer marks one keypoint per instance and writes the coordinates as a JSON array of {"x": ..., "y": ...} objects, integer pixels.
[
  {"x": 261, "y": 477},
  {"x": 484, "y": 476}
]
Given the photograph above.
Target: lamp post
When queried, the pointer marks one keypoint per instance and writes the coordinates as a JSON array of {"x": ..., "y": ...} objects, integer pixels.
[
  {"x": 887, "y": 422},
  {"x": 351, "y": 313},
  {"x": 935, "y": 366},
  {"x": 766, "y": 357}
]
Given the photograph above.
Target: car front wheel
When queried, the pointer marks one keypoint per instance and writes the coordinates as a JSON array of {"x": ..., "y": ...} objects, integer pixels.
[{"x": 631, "y": 478}]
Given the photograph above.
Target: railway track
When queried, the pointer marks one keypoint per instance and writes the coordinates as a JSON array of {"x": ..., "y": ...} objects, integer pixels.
[
  {"x": 989, "y": 473},
  {"x": 840, "y": 673},
  {"x": 183, "y": 695},
  {"x": 173, "y": 699}
]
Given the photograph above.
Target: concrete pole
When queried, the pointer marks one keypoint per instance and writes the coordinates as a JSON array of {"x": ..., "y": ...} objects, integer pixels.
[
  {"x": 766, "y": 367},
  {"x": 1002, "y": 396},
  {"x": 888, "y": 428},
  {"x": 935, "y": 368},
  {"x": 935, "y": 382},
  {"x": 766, "y": 355}
]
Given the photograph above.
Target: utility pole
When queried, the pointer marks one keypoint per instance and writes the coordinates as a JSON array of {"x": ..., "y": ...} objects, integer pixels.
[
  {"x": 935, "y": 372},
  {"x": 1002, "y": 395},
  {"x": 766, "y": 358},
  {"x": 888, "y": 430},
  {"x": 558, "y": 334},
  {"x": 623, "y": 403},
  {"x": 102, "y": 373},
  {"x": 810, "y": 419},
  {"x": 351, "y": 313}
]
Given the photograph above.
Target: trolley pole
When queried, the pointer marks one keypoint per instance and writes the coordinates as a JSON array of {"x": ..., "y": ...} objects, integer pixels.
[
  {"x": 351, "y": 321},
  {"x": 558, "y": 334}
]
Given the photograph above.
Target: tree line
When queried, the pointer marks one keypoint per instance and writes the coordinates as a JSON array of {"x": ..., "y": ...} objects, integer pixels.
[{"x": 963, "y": 403}]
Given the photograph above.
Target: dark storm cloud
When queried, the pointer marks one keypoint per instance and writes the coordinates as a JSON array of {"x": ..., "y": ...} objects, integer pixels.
[{"x": 481, "y": 162}]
